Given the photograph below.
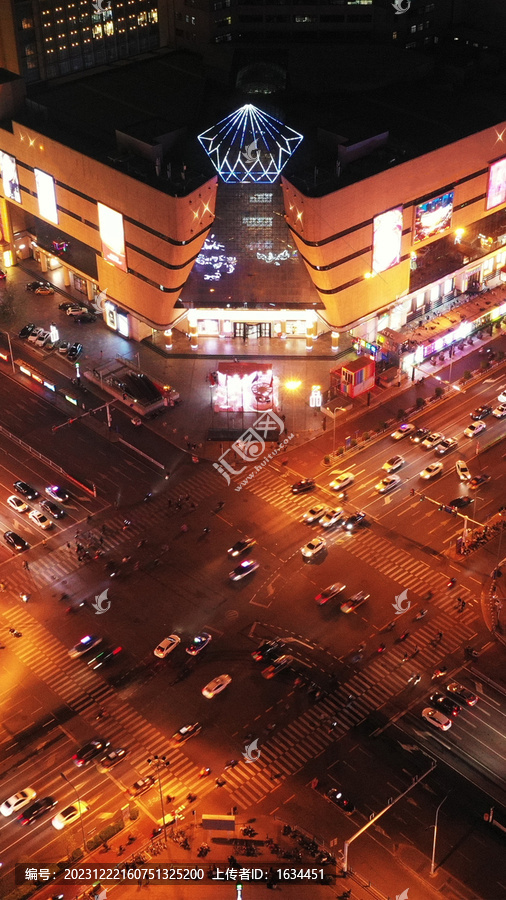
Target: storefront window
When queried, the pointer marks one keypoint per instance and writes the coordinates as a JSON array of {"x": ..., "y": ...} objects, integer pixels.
[
  {"x": 208, "y": 326},
  {"x": 296, "y": 327},
  {"x": 80, "y": 284}
]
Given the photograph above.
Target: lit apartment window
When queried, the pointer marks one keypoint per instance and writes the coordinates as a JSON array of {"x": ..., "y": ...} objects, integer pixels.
[
  {"x": 304, "y": 19},
  {"x": 413, "y": 29}
]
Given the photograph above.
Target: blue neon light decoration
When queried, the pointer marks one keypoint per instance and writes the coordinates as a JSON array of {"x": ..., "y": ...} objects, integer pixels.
[{"x": 249, "y": 145}]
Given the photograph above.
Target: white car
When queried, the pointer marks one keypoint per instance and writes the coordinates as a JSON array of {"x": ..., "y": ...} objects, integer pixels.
[
  {"x": 354, "y": 602},
  {"x": 87, "y": 643},
  {"x": 314, "y": 514},
  {"x": 474, "y": 429},
  {"x": 42, "y": 338},
  {"x": 341, "y": 480},
  {"x": 436, "y": 718},
  {"x": 403, "y": 431},
  {"x": 17, "y": 504},
  {"x": 392, "y": 464},
  {"x": 34, "y": 335},
  {"x": 68, "y": 815},
  {"x": 432, "y": 440},
  {"x": 432, "y": 470},
  {"x": 17, "y": 801},
  {"x": 446, "y": 446},
  {"x": 40, "y": 520},
  {"x": 77, "y": 311},
  {"x": 499, "y": 411},
  {"x": 167, "y": 646},
  {"x": 387, "y": 484},
  {"x": 331, "y": 516},
  {"x": 313, "y": 548},
  {"x": 502, "y": 396},
  {"x": 216, "y": 686},
  {"x": 462, "y": 470}
]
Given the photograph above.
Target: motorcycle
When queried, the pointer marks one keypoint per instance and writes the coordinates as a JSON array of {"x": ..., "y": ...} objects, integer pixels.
[
  {"x": 204, "y": 772},
  {"x": 403, "y": 637},
  {"x": 439, "y": 673},
  {"x": 381, "y": 648},
  {"x": 231, "y": 764},
  {"x": 452, "y": 582},
  {"x": 471, "y": 653},
  {"x": 420, "y": 615}
]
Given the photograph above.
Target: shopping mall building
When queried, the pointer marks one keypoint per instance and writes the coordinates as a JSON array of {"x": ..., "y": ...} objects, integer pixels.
[{"x": 239, "y": 224}]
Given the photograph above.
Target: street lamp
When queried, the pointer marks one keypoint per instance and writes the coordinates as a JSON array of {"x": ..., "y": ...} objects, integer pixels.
[
  {"x": 293, "y": 385},
  {"x": 433, "y": 860},
  {"x": 68, "y": 781},
  {"x": 160, "y": 762}
]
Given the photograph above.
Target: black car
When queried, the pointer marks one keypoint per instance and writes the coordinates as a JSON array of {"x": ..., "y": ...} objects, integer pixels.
[
  {"x": 51, "y": 508},
  {"x": 481, "y": 412},
  {"x": 267, "y": 650},
  {"x": 439, "y": 701},
  {"x": 242, "y": 546},
  {"x": 89, "y": 751},
  {"x": 18, "y": 543},
  {"x": 36, "y": 810},
  {"x": 479, "y": 479},
  {"x": 26, "y": 490},
  {"x": 74, "y": 351},
  {"x": 85, "y": 318},
  {"x": 27, "y": 330},
  {"x": 352, "y": 521},
  {"x": 301, "y": 487},
  {"x": 68, "y": 305},
  {"x": 460, "y": 502},
  {"x": 103, "y": 656},
  {"x": 33, "y": 285},
  {"x": 336, "y": 796},
  {"x": 419, "y": 435}
]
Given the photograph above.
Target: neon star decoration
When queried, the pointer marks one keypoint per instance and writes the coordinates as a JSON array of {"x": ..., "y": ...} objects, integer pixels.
[{"x": 249, "y": 145}]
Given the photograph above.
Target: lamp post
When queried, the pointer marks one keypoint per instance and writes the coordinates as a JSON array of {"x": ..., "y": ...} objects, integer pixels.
[
  {"x": 68, "y": 781},
  {"x": 160, "y": 762},
  {"x": 293, "y": 385},
  {"x": 433, "y": 860},
  {"x": 11, "y": 354}
]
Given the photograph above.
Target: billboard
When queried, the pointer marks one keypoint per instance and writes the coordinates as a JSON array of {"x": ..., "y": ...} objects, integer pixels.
[
  {"x": 46, "y": 196},
  {"x": 245, "y": 387},
  {"x": 112, "y": 236},
  {"x": 496, "y": 193},
  {"x": 10, "y": 178},
  {"x": 433, "y": 217},
  {"x": 387, "y": 236}
]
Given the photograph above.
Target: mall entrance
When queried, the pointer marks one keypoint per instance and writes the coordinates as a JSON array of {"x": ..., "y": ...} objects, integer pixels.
[{"x": 246, "y": 331}]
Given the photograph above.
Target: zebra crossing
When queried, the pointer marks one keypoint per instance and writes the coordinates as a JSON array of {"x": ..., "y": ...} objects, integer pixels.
[{"x": 277, "y": 491}]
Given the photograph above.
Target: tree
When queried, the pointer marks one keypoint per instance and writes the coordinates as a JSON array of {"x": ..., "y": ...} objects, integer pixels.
[
  {"x": 439, "y": 392},
  {"x": 420, "y": 402}
]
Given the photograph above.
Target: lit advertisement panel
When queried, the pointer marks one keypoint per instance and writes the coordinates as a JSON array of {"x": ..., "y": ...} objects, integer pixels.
[
  {"x": 387, "y": 231},
  {"x": 112, "y": 236},
  {"x": 496, "y": 193},
  {"x": 245, "y": 387},
  {"x": 433, "y": 217},
  {"x": 46, "y": 196},
  {"x": 10, "y": 178}
]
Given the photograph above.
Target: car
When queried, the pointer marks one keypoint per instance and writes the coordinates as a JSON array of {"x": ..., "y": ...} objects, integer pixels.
[
  {"x": 17, "y": 504},
  {"x": 333, "y": 590},
  {"x": 186, "y": 732},
  {"x": 26, "y": 489},
  {"x": 69, "y": 305},
  {"x": 354, "y": 602},
  {"x": 462, "y": 693},
  {"x": 407, "y": 428},
  {"x": 301, "y": 487},
  {"x": 481, "y": 412},
  {"x": 313, "y": 548},
  {"x": 336, "y": 797},
  {"x": 36, "y": 810},
  {"x": 387, "y": 484},
  {"x": 40, "y": 520},
  {"x": 87, "y": 643},
  {"x": 479, "y": 480},
  {"x": 341, "y": 480},
  {"x": 500, "y": 411},
  {"x": 242, "y": 546},
  {"x": 14, "y": 540},
  {"x": 27, "y": 330},
  {"x": 103, "y": 656},
  {"x": 57, "y": 493},
  {"x": 432, "y": 440},
  {"x": 439, "y": 701},
  {"x": 63, "y": 347},
  {"x": 51, "y": 508},
  {"x": 167, "y": 646},
  {"x": 18, "y": 801},
  {"x": 76, "y": 310},
  {"x": 68, "y": 815},
  {"x": 89, "y": 751},
  {"x": 460, "y": 502},
  {"x": 33, "y": 285},
  {"x": 277, "y": 666},
  {"x": 446, "y": 446},
  {"x": 42, "y": 338},
  {"x": 431, "y": 471},
  {"x": 44, "y": 289},
  {"x": 268, "y": 649},
  {"x": 474, "y": 429},
  {"x": 314, "y": 514},
  {"x": 112, "y": 758},
  {"x": 418, "y": 435},
  {"x": 332, "y": 516},
  {"x": 216, "y": 686},
  {"x": 392, "y": 464},
  {"x": 3, "y": 275},
  {"x": 436, "y": 718},
  {"x": 32, "y": 337},
  {"x": 245, "y": 568},
  {"x": 85, "y": 318},
  {"x": 142, "y": 785},
  {"x": 502, "y": 396},
  {"x": 354, "y": 520},
  {"x": 462, "y": 470},
  {"x": 198, "y": 643},
  {"x": 74, "y": 351}
]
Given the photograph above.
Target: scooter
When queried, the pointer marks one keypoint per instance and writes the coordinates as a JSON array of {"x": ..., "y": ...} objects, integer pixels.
[
  {"x": 439, "y": 673},
  {"x": 420, "y": 615}
]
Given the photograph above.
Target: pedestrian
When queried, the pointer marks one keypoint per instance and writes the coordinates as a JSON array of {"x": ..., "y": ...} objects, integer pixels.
[
  {"x": 101, "y": 540},
  {"x": 69, "y": 545},
  {"x": 405, "y": 657},
  {"x": 26, "y": 566},
  {"x": 440, "y": 635}
]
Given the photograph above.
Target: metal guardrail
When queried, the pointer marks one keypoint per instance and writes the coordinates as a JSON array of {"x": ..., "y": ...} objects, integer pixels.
[{"x": 49, "y": 463}]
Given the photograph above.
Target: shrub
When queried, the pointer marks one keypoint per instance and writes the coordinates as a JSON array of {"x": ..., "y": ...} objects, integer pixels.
[
  {"x": 467, "y": 375},
  {"x": 366, "y": 436},
  {"x": 353, "y": 442},
  {"x": 401, "y": 414},
  {"x": 326, "y": 460},
  {"x": 439, "y": 392},
  {"x": 340, "y": 451},
  {"x": 420, "y": 402}
]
